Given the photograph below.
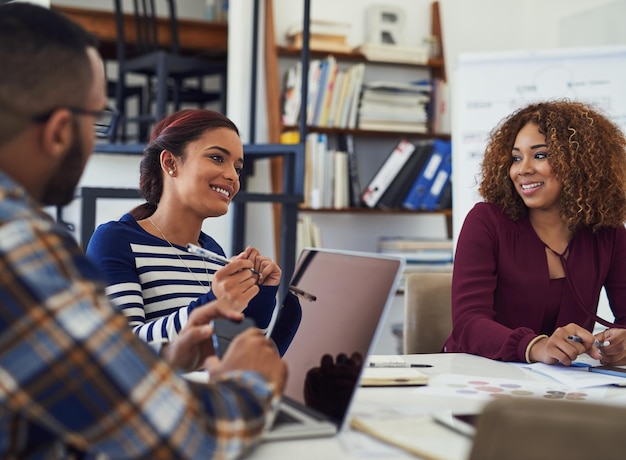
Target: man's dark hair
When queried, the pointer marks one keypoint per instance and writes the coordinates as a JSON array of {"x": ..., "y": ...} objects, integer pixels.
[{"x": 44, "y": 64}]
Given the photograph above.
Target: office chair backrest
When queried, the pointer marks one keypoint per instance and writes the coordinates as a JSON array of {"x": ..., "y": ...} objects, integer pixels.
[
  {"x": 542, "y": 429},
  {"x": 427, "y": 311}
]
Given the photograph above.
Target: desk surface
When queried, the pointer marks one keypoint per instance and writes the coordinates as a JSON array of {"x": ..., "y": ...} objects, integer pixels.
[
  {"x": 198, "y": 37},
  {"x": 419, "y": 398}
]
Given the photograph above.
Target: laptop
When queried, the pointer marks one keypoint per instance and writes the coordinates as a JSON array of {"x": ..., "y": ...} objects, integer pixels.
[{"x": 345, "y": 296}]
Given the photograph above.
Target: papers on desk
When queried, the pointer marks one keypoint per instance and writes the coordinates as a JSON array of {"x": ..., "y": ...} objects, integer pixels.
[
  {"x": 419, "y": 435},
  {"x": 487, "y": 388},
  {"x": 574, "y": 376}
]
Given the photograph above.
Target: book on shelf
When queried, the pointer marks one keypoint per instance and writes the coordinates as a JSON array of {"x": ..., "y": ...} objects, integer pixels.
[
  {"x": 394, "y": 53},
  {"x": 322, "y": 42},
  {"x": 398, "y": 189},
  {"x": 394, "y": 126},
  {"x": 329, "y": 36},
  {"x": 425, "y": 179},
  {"x": 440, "y": 112},
  {"x": 327, "y": 179},
  {"x": 346, "y": 143},
  {"x": 341, "y": 180},
  {"x": 333, "y": 94},
  {"x": 321, "y": 86},
  {"x": 380, "y": 113},
  {"x": 385, "y": 175},
  {"x": 445, "y": 200},
  {"x": 432, "y": 198},
  {"x": 393, "y": 106},
  {"x": 393, "y": 97},
  {"x": 417, "y": 250},
  {"x": 409, "y": 243},
  {"x": 316, "y": 169},
  {"x": 329, "y": 89},
  {"x": 329, "y": 119},
  {"x": 417, "y": 86},
  {"x": 313, "y": 76},
  {"x": 291, "y": 94},
  {"x": 321, "y": 27},
  {"x": 354, "y": 96}
]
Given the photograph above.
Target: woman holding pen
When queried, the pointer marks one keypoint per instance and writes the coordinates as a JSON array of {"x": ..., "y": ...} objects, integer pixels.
[
  {"x": 532, "y": 258},
  {"x": 189, "y": 172}
]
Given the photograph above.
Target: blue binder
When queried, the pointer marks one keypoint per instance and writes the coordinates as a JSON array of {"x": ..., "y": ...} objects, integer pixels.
[
  {"x": 431, "y": 199},
  {"x": 422, "y": 185}
]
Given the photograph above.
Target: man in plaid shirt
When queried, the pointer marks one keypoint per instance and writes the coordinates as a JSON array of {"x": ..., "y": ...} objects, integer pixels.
[{"x": 73, "y": 377}]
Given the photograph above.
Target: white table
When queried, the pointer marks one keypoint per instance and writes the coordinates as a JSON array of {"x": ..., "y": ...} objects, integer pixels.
[{"x": 416, "y": 398}]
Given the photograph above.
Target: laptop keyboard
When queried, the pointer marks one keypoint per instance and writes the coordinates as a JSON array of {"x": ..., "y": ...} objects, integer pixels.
[{"x": 283, "y": 418}]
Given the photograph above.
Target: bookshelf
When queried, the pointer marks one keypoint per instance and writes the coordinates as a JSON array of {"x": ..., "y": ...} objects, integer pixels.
[{"x": 372, "y": 145}]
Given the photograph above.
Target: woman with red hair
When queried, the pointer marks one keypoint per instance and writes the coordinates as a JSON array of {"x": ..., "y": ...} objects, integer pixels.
[{"x": 189, "y": 172}]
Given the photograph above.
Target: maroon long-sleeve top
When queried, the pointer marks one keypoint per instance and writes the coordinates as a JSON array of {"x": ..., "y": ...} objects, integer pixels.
[{"x": 502, "y": 294}]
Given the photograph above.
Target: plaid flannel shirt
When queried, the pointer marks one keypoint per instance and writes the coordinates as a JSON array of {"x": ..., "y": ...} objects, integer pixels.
[{"x": 72, "y": 374}]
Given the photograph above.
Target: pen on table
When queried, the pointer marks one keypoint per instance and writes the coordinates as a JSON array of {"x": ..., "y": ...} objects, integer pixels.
[
  {"x": 300, "y": 293},
  {"x": 596, "y": 343},
  {"x": 213, "y": 256},
  {"x": 394, "y": 364}
]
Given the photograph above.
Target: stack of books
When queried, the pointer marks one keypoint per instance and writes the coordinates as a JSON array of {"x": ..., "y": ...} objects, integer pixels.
[
  {"x": 327, "y": 175},
  {"x": 418, "y": 251},
  {"x": 328, "y": 36},
  {"x": 333, "y": 94},
  {"x": 392, "y": 106},
  {"x": 394, "y": 53}
]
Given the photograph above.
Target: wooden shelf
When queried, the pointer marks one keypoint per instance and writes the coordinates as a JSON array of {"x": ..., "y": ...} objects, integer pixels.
[
  {"x": 447, "y": 213},
  {"x": 369, "y": 132},
  {"x": 290, "y": 51}
]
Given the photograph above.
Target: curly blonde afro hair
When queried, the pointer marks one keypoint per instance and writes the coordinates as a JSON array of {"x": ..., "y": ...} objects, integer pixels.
[{"x": 587, "y": 153}]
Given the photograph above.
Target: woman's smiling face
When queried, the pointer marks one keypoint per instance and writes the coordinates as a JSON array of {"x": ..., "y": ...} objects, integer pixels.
[
  {"x": 531, "y": 171},
  {"x": 208, "y": 175}
]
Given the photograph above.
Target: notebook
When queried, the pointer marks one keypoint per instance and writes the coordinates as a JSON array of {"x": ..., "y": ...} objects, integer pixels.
[{"x": 352, "y": 292}]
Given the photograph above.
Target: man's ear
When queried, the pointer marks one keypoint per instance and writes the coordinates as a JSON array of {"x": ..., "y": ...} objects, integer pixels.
[{"x": 58, "y": 133}]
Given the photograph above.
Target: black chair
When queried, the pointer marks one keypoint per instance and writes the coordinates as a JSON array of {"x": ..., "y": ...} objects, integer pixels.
[
  {"x": 128, "y": 93},
  {"x": 167, "y": 72}
]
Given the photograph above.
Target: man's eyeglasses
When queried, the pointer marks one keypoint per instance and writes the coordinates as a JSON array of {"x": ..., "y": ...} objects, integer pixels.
[{"x": 105, "y": 120}]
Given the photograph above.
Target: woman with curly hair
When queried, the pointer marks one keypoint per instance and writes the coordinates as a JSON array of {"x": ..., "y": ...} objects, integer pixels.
[{"x": 532, "y": 258}]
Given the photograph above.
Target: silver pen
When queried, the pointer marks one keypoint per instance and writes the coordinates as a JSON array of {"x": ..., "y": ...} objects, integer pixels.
[
  {"x": 596, "y": 342},
  {"x": 194, "y": 249},
  {"x": 300, "y": 293}
]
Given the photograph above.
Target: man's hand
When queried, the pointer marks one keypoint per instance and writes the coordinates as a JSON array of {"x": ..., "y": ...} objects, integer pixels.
[
  {"x": 251, "y": 351},
  {"x": 195, "y": 342}
]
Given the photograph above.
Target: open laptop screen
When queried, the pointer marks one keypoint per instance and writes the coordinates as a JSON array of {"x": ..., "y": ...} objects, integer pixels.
[{"x": 351, "y": 292}]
